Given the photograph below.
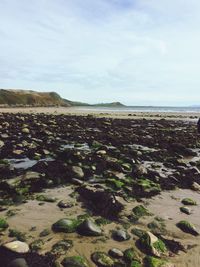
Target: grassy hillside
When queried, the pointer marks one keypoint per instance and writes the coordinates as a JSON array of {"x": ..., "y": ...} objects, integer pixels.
[
  {"x": 30, "y": 98},
  {"x": 37, "y": 99}
]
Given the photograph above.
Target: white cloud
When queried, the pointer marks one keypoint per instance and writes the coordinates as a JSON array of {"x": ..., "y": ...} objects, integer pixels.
[{"x": 138, "y": 52}]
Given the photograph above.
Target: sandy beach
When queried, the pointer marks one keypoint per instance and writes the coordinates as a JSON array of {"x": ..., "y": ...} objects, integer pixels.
[{"x": 98, "y": 186}]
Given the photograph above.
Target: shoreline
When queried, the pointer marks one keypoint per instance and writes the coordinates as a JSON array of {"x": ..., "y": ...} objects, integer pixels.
[{"x": 84, "y": 111}]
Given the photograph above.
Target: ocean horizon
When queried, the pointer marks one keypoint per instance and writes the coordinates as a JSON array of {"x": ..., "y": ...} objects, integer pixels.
[{"x": 142, "y": 109}]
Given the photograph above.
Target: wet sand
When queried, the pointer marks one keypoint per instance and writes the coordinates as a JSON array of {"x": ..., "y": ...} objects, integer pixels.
[{"x": 110, "y": 153}]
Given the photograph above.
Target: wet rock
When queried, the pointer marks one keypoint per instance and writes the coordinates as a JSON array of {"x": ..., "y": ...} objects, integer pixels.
[
  {"x": 195, "y": 186},
  {"x": 131, "y": 255},
  {"x": 3, "y": 224},
  {"x": 64, "y": 205},
  {"x": 45, "y": 232},
  {"x": 78, "y": 172},
  {"x": 61, "y": 247},
  {"x": 152, "y": 244},
  {"x": 65, "y": 225},
  {"x": 145, "y": 188},
  {"x": 46, "y": 198},
  {"x": 17, "y": 246},
  {"x": 116, "y": 253},
  {"x": 155, "y": 262},
  {"x": 101, "y": 202},
  {"x": 36, "y": 245},
  {"x": 186, "y": 210},
  {"x": 189, "y": 201},
  {"x": 89, "y": 228},
  {"x": 102, "y": 259},
  {"x": 1, "y": 144},
  {"x": 120, "y": 235},
  {"x": 75, "y": 261},
  {"x": 25, "y": 131},
  {"x": 187, "y": 227},
  {"x": 20, "y": 262},
  {"x": 140, "y": 211},
  {"x": 140, "y": 170}
]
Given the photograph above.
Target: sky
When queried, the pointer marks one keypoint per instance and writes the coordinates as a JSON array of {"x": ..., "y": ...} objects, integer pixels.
[{"x": 138, "y": 52}]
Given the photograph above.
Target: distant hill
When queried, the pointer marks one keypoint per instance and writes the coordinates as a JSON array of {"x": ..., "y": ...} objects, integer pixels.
[{"x": 31, "y": 98}]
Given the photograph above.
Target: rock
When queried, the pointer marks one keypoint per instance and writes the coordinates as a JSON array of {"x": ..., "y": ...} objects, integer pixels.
[
  {"x": 195, "y": 186},
  {"x": 61, "y": 247},
  {"x": 101, "y": 202},
  {"x": 102, "y": 259},
  {"x": 17, "y": 246},
  {"x": 186, "y": 210},
  {"x": 140, "y": 170},
  {"x": 140, "y": 211},
  {"x": 45, "y": 232},
  {"x": 65, "y": 226},
  {"x": 155, "y": 262},
  {"x": 145, "y": 188},
  {"x": 3, "y": 224},
  {"x": 20, "y": 262},
  {"x": 36, "y": 244},
  {"x": 78, "y": 171},
  {"x": 131, "y": 255},
  {"x": 187, "y": 227},
  {"x": 77, "y": 181},
  {"x": 46, "y": 198},
  {"x": 189, "y": 201},
  {"x": 89, "y": 228},
  {"x": 116, "y": 253},
  {"x": 152, "y": 244},
  {"x": 25, "y": 131},
  {"x": 75, "y": 261},
  {"x": 1, "y": 144},
  {"x": 120, "y": 235},
  {"x": 65, "y": 205}
]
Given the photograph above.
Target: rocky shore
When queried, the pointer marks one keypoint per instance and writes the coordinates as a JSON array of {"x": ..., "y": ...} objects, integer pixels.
[{"x": 80, "y": 191}]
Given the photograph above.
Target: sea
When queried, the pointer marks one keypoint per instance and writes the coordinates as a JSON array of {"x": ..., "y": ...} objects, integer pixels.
[{"x": 143, "y": 109}]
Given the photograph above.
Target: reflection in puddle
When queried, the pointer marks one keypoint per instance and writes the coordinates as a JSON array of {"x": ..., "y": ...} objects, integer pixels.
[
  {"x": 25, "y": 163},
  {"x": 83, "y": 146}
]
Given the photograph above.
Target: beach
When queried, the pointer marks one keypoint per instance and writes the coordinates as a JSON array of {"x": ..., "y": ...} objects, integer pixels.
[{"x": 100, "y": 187}]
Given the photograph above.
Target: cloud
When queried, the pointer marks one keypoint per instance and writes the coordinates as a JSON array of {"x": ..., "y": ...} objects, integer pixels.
[{"x": 127, "y": 50}]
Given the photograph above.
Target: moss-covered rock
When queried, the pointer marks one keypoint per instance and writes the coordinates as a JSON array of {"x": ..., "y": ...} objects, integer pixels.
[
  {"x": 140, "y": 211},
  {"x": 102, "y": 259},
  {"x": 131, "y": 255},
  {"x": 157, "y": 227},
  {"x": 3, "y": 224},
  {"x": 185, "y": 210},
  {"x": 46, "y": 198},
  {"x": 61, "y": 247},
  {"x": 74, "y": 261},
  {"x": 115, "y": 184},
  {"x": 155, "y": 262},
  {"x": 17, "y": 234},
  {"x": 189, "y": 201},
  {"x": 138, "y": 232},
  {"x": 65, "y": 225},
  {"x": 36, "y": 244},
  {"x": 89, "y": 228},
  {"x": 152, "y": 244},
  {"x": 187, "y": 227},
  {"x": 135, "y": 264},
  {"x": 146, "y": 187}
]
